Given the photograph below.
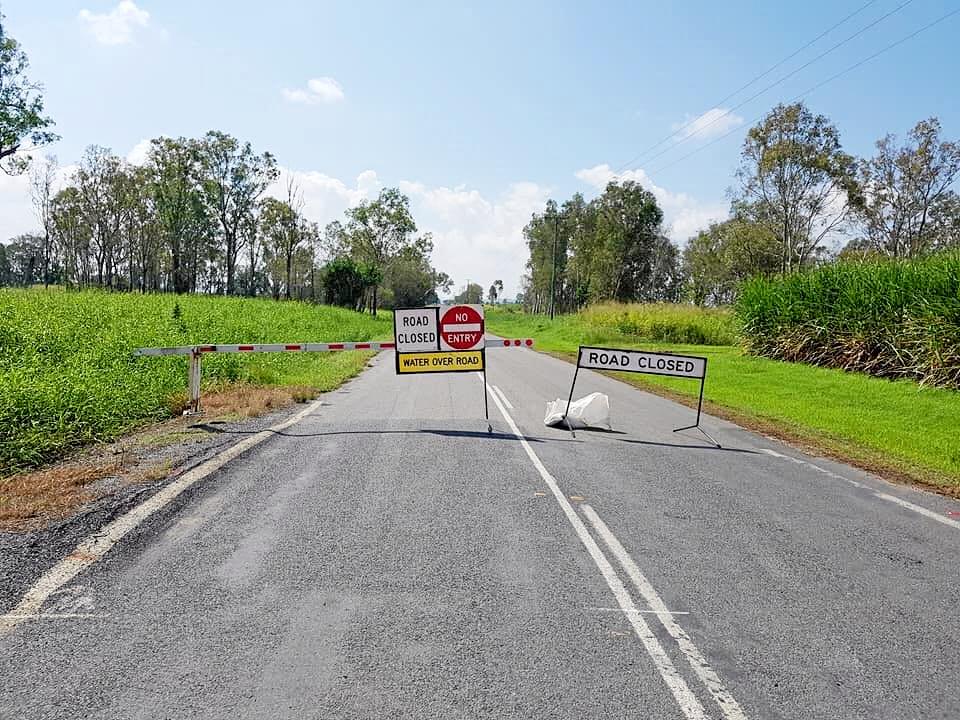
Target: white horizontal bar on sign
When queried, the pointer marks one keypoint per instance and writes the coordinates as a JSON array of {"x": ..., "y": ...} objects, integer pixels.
[{"x": 462, "y": 327}]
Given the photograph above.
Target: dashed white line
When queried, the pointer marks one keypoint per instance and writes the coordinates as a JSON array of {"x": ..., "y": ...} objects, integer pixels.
[
  {"x": 684, "y": 697},
  {"x": 701, "y": 668},
  {"x": 98, "y": 544}
]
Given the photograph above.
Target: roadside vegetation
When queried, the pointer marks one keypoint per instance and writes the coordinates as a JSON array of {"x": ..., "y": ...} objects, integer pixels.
[
  {"x": 888, "y": 318},
  {"x": 896, "y": 428},
  {"x": 68, "y": 378}
]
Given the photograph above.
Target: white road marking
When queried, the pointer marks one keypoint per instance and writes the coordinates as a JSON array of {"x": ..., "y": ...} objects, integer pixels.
[
  {"x": 917, "y": 509},
  {"x": 54, "y": 616},
  {"x": 653, "y": 612},
  {"x": 883, "y": 496},
  {"x": 503, "y": 397},
  {"x": 708, "y": 676},
  {"x": 685, "y": 698},
  {"x": 98, "y": 544}
]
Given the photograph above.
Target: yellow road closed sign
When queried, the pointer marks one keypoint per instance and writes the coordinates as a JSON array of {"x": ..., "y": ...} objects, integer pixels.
[{"x": 428, "y": 362}]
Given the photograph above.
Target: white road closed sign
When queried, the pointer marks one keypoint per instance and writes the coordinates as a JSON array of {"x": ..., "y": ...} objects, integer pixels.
[
  {"x": 416, "y": 330},
  {"x": 640, "y": 361}
]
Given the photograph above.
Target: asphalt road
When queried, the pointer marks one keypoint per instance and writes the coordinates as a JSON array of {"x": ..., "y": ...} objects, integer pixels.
[{"x": 386, "y": 557}]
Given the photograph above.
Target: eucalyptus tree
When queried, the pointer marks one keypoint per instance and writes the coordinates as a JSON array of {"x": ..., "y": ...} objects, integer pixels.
[
  {"x": 234, "y": 178},
  {"x": 22, "y": 120},
  {"x": 182, "y": 215},
  {"x": 796, "y": 180},
  {"x": 377, "y": 232},
  {"x": 908, "y": 204}
]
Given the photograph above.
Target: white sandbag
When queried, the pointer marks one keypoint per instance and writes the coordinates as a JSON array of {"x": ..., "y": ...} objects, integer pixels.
[{"x": 592, "y": 411}]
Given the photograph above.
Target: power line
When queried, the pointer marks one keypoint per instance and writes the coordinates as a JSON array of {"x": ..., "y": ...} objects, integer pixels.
[
  {"x": 766, "y": 72},
  {"x": 772, "y": 85},
  {"x": 818, "y": 85}
]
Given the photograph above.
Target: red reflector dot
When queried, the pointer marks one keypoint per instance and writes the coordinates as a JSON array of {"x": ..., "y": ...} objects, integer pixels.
[
  {"x": 506, "y": 343},
  {"x": 529, "y": 343}
]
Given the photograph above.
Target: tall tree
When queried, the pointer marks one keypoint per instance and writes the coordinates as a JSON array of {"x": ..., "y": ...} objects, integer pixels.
[
  {"x": 234, "y": 179},
  {"x": 379, "y": 231},
  {"x": 42, "y": 177},
  {"x": 181, "y": 211},
  {"x": 908, "y": 203},
  {"x": 21, "y": 107},
  {"x": 796, "y": 180},
  {"x": 628, "y": 225}
]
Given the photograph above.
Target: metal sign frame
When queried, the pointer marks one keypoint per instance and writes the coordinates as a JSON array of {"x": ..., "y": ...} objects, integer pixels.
[
  {"x": 483, "y": 355},
  {"x": 703, "y": 378}
]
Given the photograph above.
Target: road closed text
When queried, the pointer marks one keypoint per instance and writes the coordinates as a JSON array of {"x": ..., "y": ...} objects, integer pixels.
[
  {"x": 470, "y": 361},
  {"x": 642, "y": 362}
]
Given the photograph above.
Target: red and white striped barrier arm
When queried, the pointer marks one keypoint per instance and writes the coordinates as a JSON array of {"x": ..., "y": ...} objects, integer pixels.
[
  {"x": 302, "y": 347},
  {"x": 510, "y": 342},
  {"x": 273, "y": 347}
]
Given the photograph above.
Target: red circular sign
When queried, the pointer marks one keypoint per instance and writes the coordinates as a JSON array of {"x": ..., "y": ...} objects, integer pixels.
[{"x": 461, "y": 328}]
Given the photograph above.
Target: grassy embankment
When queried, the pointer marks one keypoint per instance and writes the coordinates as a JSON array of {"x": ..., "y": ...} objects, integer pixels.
[
  {"x": 897, "y": 428},
  {"x": 67, "y": 376}
]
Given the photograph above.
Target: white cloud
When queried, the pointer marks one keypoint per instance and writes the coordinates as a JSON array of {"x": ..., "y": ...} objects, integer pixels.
[
  {"x": 477, "y": 238},
  {"x": 711, "y": 124},
  {"x": 118, "y": 26},
  {"x": 323, "y": 90},
  {"x": 683, "y": 215},
  {"x": 138, "y": 155}
]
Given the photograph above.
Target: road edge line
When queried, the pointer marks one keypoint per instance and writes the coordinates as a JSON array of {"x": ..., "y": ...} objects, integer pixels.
[{"x": 97, "y": 544}]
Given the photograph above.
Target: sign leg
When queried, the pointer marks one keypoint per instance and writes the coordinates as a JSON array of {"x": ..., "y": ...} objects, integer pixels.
[
  {"x": 696, "y": 425},
  {"x": 486, "y": 400},
  {"x": 570, "y": 398}
]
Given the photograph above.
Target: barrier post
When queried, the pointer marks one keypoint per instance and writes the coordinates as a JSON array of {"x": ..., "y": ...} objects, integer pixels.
[{"x": 194, "y": 382}]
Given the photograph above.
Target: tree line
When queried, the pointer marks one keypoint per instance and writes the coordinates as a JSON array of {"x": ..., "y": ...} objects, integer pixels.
[
  {"x": 799, "y": 201},
  {"x": 195, "y": 218}
]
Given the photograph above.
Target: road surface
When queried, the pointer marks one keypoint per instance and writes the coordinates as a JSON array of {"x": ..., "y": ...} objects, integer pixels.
[{"x": 386, "y": 557}]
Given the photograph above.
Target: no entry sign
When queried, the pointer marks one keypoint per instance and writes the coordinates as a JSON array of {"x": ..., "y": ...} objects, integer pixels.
[{"x": 461, "y": 328}]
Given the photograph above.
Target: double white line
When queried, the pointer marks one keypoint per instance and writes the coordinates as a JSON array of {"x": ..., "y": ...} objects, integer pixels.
[{"x": 685, "y": 697}]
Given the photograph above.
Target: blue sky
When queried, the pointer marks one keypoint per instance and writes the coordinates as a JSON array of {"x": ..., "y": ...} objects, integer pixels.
[{"x": 479, "y": 111}]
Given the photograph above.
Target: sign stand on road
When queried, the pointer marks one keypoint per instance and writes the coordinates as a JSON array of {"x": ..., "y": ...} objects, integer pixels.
[
  {"x": 650, "y": 363},
  {"x": 430, "y": 342}
]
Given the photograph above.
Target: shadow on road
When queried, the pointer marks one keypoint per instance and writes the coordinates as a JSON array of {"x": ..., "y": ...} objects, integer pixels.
[
  {"x": 480, "y": 434},
  {"x": 689, "y": 447}
]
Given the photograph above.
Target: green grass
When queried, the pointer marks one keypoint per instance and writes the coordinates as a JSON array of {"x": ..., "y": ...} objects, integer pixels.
[
  {"x": 896, "y": 427},
  {"x": 68, "y": 378}
]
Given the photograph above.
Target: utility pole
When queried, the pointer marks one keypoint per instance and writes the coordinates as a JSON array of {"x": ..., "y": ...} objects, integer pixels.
[{"x": 553, "y": 274}]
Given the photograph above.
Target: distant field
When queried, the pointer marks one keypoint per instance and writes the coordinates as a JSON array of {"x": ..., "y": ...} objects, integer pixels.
[
  {"x": 893, "y": 427},
  {"x": 67, "y": 376}
]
